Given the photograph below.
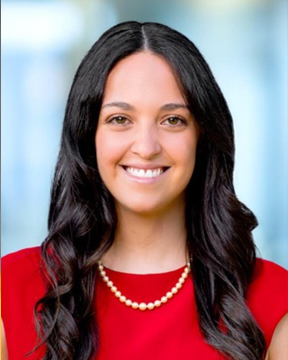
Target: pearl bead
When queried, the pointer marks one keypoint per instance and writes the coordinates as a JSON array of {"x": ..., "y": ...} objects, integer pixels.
[
  {"x": 169, "y": 295},
  {"x": 157, "y": 303},
  {"x": 142, "y": 306},
  {"x": 118, "y": 294},
  {"x": 150, "y": 306},
  {"x": 135, "y": 305}
]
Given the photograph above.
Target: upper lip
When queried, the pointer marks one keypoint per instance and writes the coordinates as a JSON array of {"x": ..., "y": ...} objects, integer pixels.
[{"x": 145, "y": 166}]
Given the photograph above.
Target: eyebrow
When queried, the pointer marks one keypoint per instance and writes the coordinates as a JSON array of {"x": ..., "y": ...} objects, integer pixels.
[{"x": 125, "y": 106}]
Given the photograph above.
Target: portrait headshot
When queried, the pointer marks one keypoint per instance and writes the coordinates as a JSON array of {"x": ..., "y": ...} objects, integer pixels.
[{"x": 144, "y": 180}]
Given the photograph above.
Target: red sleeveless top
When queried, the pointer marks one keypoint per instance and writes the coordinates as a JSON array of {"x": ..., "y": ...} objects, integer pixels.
[{"x": 169, "y": 332}]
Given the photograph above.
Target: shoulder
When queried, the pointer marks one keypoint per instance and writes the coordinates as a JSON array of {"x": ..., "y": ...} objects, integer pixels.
[
  {"x": 20, "y": 269},
  {"x": 26, "y": 259},
  {"x": 268, "y": 270},
  {"x": 23, "y": 285},
  {"x": 269, "y": 280},
  {"x": 267, "y": 295},
  {"x": 21, "y": 280},
  {"x": 21, "y": 255}
]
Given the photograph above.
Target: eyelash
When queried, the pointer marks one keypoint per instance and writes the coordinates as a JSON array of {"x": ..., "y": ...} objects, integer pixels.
[{"x": 184, "y": 122}]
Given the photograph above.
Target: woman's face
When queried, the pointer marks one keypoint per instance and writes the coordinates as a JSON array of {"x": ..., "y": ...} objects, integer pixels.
[{"x": 146, "y": 137}]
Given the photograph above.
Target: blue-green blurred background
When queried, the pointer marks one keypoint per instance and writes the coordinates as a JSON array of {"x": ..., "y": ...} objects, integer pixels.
[{"x": 43, "y": 42}]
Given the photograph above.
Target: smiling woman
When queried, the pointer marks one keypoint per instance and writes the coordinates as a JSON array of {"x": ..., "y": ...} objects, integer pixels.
[
  {"x": 149, "y": 253},
  {"x": 145, "y": 129}
]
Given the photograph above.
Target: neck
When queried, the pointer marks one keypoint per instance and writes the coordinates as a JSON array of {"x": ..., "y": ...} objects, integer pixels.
[{"x": 152, "y": 243}]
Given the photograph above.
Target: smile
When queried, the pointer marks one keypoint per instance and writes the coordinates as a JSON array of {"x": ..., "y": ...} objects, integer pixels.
[
  {"x": 145, "y": 175},
  {"x": 141, "y": 173}
]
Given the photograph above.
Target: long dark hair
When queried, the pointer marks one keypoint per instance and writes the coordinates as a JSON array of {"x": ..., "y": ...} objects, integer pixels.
[{"x": 82, "y": 217}]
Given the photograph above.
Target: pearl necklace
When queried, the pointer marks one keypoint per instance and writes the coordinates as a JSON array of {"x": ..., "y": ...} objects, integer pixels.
[{"x": 143, "y": 306}]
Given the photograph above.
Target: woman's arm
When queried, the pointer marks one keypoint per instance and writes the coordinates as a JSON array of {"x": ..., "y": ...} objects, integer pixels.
[
  {"x": 278, "y": 349},
  {"x": 4, "y": 353}
]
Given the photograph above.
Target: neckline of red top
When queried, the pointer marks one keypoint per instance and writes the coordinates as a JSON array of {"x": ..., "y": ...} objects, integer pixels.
[{"x": 166, "y": 273}]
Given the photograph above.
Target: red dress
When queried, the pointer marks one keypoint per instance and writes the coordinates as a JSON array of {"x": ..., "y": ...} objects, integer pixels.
[{"x": 169, "y": 332}]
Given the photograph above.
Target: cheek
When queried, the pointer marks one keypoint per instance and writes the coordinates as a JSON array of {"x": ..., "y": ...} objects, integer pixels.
[
  {"x": 109, "y": 149},
  {"x": 184, "y": 149},
  {"x": 187, "y": 159}
]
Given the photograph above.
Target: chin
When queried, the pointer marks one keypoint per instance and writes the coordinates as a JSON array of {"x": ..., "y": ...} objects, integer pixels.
[
  {"x": 142, "y": 210},
  {"x": 144, "y": 207}
]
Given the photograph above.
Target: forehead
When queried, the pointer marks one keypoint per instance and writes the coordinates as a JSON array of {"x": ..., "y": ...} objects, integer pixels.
[{"x": 144, "y": 77}]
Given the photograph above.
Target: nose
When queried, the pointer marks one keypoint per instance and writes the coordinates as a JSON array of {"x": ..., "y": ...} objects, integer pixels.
[{"x": 146, "y": 142}]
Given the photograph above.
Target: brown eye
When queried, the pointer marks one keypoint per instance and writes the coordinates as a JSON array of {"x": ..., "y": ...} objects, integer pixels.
[
  {"x": 175, "y": 121},
  {"x": 118, "y": 120}
]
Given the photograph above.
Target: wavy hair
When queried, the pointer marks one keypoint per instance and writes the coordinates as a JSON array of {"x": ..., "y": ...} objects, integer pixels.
[{"x": 82, "y": 216}]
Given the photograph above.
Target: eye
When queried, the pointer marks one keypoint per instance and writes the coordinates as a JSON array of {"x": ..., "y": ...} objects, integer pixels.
[
  {"x": 175, "y": 121},
  {"x": 118, "y": 120}
]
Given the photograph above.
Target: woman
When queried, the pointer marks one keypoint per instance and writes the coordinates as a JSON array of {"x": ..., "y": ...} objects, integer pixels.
[{"x": 149, "y": 252}]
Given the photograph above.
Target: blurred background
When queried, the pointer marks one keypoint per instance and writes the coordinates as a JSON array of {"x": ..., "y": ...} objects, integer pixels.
[{"x": 43, "y": 42}]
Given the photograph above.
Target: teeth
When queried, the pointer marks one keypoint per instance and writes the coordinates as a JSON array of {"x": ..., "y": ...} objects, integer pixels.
[{"x": 144, "y": 173}]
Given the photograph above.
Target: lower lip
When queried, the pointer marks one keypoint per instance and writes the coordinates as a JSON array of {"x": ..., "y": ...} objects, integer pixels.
[{"x": 144, "y": 180}]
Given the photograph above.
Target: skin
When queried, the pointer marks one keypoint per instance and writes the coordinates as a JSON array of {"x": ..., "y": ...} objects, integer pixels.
[
  {"x": 146, "y": 132},
  {"x": 151, "y": 213},
  {"x": 4, "y": 353},
  {"x": 278, "y": 349}
]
